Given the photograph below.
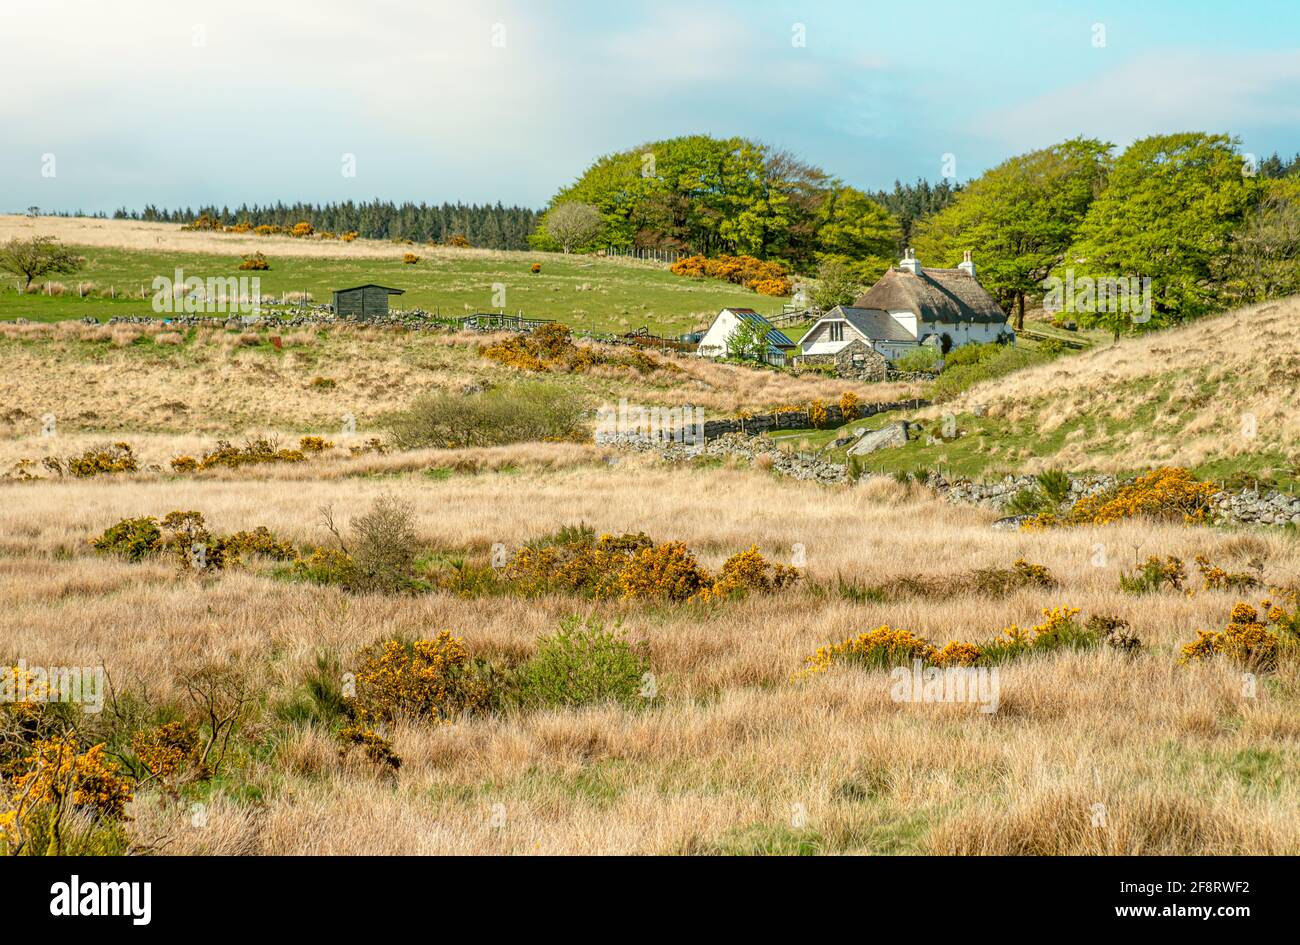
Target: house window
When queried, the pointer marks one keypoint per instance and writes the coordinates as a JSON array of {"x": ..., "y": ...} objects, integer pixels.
[{"x": 837, "y": 331}]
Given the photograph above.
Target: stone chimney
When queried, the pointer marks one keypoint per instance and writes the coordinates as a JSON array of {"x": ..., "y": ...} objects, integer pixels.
[
  {"x": 967, "y": 265},
  {"x": 910, "y": 262}
]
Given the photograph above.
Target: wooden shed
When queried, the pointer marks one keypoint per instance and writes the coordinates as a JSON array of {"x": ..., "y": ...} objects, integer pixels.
[{"x": 364, "y": 301}]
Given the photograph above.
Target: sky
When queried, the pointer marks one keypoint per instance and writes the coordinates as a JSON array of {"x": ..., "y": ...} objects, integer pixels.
[{"x": 183, "y": 103}]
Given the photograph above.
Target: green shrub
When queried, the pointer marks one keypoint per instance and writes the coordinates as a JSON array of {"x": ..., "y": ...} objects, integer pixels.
[
  {"x": 102, "y": 459},
  {"x": 1047, "y": 494},
  {"x": 583, "y": 663},
  {"x": 982, "y": 363},
  {"x": 319, "y": 698},
  {"x": 132, "y": 538},
  {"x": 516, "y": 413},
  {"x": 1153, "y": 574},
  {"x": 924, "y": 358}
]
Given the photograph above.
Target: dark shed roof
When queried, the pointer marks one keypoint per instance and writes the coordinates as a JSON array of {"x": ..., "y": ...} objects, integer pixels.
[
  {"x": 937, "y": 295},
  {"x": 373, "y": 285}
]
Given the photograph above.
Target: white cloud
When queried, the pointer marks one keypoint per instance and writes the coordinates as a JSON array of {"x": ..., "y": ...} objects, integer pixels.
[{"x": 1169, "y": 91}]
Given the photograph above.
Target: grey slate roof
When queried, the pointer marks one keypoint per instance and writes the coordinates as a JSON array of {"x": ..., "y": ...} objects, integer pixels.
[
  {"x": 936, "y": 295},
  {"x": 873, "y": 323}
]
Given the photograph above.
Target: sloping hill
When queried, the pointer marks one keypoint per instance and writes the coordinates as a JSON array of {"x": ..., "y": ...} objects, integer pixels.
[{"x": 1219, "y": 395}]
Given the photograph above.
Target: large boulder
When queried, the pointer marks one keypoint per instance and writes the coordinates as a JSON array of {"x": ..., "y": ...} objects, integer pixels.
[{"x": 894, "y": 434}]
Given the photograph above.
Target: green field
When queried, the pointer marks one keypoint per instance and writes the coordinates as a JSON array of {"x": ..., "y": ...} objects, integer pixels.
[{"x": 584, "y": 292}]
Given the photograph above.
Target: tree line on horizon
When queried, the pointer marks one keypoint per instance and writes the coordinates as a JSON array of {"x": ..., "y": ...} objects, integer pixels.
[{"x": 491, "y": 226}]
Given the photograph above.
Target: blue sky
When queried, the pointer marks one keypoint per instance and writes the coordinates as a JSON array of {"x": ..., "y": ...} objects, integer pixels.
[{"x": 186, "y": 102}]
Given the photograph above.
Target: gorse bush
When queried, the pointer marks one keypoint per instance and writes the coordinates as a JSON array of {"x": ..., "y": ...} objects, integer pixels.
[
  {"x": 1250, "y": 639},
  {"x": 887, "y": 646},
  {"x": 634, "y": 567},
  {"x": 132, "y": 538},
  {"x": 257, "y": 449},
  {"x": 766, "y": 278},
  {"x": 1154, "y": 575},
  {"x": 98, "y": 460},
  {"x": 185, "y": 535},
  {"x": 583, "y": 663},
  {"x": 1217, "y": 579},
  {"x": 550, "y": 348},
  {"x": 1168, "y": 494},
  {"x": 54, "y": 781},
  {"x": 515, "y": 413},
  {"x": 423, "y": 681}
]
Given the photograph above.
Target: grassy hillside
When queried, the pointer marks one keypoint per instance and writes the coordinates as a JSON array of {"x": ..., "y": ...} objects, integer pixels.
[
  {"x": 606, "y": 295},
  {"x": 1216, "y": 395},
  {"x": 96, "y": 378}
]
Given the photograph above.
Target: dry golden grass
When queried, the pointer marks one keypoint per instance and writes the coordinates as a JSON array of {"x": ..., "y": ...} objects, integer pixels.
[
  {"x": 137, "y": 379},
  {"x": 169, "y": 237},
  {"x": 1182, "y": 763}
]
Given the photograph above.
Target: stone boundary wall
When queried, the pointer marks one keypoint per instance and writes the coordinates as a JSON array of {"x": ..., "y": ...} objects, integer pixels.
[
  {"x": 799, "y": 419},
  {"x": 1247, "y": 506}
]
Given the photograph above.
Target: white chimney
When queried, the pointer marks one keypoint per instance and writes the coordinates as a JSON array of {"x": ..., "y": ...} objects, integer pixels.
[
  {"x": 967, "y": 265},
  {"x": 910, "y": 262}
]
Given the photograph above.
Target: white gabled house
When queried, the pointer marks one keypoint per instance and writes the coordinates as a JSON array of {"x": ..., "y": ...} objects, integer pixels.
[
  {"x": 714, "y": 342},
  {"x": 844, "y": 324},
  {"x": 910, "y": 306}
]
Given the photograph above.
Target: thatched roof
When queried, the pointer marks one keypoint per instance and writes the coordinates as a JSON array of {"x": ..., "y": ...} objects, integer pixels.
[{"x": 934, "y": 295}]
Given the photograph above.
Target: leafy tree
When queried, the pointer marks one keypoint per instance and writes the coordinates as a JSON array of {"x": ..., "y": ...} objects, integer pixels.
[
  {"x": 837, "y": 284},
  {"x": 573, "y": 224},
  {"x": 748, "y": 339},
  {"x": 1263, "y": 259},
  {"x": 854, "y": 229},
  {"x": 36, "y": 257},
  {"x": 704, "y": 195},
  {"x": 1169, "y": 211},
  {"x": 1020, "y": 218}
]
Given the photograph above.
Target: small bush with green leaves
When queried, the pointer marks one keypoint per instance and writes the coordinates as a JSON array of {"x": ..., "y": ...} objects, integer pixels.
[
  {"x": 132, "y": 538},
  {"x": 923, "y": 360},
  {"x": 1048, "y": 493},
  {"x": 1153, "y": 575},
  {"x": 583, "y": 663},
  {"x": 516, "y": 413}
]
